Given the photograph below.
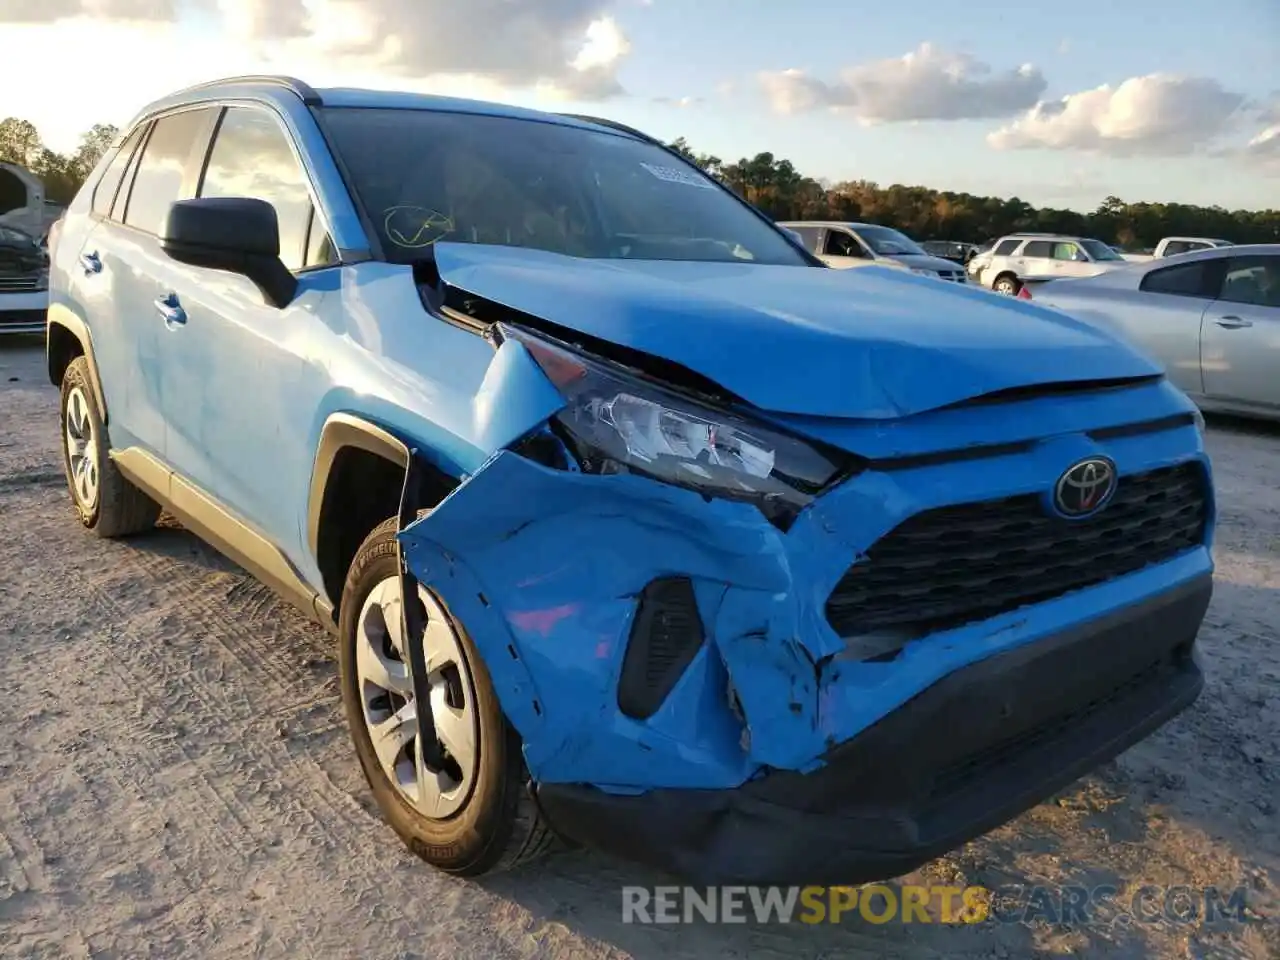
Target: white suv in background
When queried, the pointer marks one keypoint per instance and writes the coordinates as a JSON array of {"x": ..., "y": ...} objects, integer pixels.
[
  {"x": 1042, "y": 256},
  {"x": 844, "y": 245}
]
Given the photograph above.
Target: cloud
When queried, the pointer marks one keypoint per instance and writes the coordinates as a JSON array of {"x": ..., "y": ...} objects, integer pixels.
[
  {"x": 570, "y": 48},
  {"x": 1158, "y": 114},
  {"x": 1269, "y": 111},
  {"x": 1263, "y": 151},
  {"x": 48, "y": 11},
  {"x": 678, "y": 101},
  {"x": 252, "y": 19},
  {"x": 926, "y": 84}
]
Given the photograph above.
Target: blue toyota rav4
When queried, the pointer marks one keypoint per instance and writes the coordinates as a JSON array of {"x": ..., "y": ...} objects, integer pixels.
[{"x": 719, "y": 559}]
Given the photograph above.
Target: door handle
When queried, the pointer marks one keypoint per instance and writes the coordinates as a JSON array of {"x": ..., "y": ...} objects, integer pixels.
[
  {"x": 1233, "y": 322},
  {"x": 171, "y": 310},
  {"x": 91, "y": 263}
]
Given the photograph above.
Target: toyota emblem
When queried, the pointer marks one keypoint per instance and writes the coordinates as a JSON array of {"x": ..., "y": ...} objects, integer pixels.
[{"x": 1085, "y": 488}]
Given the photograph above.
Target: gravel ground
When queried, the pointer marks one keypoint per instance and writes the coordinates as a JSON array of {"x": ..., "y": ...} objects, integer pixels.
[{"x": 176, "y": 778}]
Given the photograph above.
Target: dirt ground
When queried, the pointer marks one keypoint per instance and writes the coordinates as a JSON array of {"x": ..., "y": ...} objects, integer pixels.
[{"x": 176, "y": 778}]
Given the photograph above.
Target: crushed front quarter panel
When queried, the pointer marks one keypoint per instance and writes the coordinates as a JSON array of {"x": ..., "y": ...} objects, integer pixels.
[{"x": 549, "y": 564}]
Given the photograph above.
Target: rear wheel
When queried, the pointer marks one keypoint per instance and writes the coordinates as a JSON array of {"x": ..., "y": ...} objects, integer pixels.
[
  {"x": 108, "y": 504},
  {"x": 474, "y": 814}
]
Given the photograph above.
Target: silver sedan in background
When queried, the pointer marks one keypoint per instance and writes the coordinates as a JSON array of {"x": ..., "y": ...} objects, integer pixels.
[{"x": 1211, "y": 317}]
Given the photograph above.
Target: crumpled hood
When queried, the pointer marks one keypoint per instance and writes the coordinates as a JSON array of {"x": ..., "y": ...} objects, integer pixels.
[
  {"x": 873, "y": 344},
  {"x": 918, "y": 261}
]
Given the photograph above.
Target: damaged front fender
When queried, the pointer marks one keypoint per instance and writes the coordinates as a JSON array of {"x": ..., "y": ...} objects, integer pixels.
[
  {"x": 545, "y": 567},
  {"x": 514, "y": 396}
]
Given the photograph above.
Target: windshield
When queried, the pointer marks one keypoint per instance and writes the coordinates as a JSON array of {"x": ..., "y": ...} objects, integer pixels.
[
  {"x": 1099, "y": 250},
  {"x": 428, "y": 176},
  {"x": 888, "y": 242}
]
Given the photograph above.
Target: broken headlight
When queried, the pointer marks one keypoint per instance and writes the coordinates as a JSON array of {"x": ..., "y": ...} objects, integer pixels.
[{"x": 618, "y": 421}]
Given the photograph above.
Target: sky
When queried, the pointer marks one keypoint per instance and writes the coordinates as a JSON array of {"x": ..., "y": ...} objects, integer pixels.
[{"x": 1177, "y": 101}]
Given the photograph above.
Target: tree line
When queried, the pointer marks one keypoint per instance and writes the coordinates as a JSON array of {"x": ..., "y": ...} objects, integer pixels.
[
  {"x": 781, "y": 191},
  {"x": 62, "y": 174}
]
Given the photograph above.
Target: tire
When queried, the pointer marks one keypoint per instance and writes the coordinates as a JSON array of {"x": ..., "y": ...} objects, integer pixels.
[
  {"x": 107, "y": 503},
  {"x": 1007, "y": 284},
  {"x": 489, "y": 823}
]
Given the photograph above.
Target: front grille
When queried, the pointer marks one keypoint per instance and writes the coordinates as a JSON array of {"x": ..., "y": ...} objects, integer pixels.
[
  {"x": 954, "y": 565},
  {"x": 955, "y": 276},
  {"x": 12, "y": 284}
]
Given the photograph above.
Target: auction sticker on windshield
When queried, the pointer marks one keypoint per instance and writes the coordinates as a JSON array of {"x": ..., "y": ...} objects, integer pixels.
[{"x": 676, "y": 175}]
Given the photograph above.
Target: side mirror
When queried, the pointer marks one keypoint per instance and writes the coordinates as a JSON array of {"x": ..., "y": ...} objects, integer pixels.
[{"x": 237, "y": 234}]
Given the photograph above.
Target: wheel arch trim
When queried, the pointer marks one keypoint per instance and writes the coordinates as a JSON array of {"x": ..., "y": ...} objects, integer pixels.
[
  {"x": 62, "y": 316},
  {"x": 340, "y": 431}
]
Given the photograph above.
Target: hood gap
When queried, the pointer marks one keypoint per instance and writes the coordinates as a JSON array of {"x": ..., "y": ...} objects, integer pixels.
[{"x": 481, "y": 313}]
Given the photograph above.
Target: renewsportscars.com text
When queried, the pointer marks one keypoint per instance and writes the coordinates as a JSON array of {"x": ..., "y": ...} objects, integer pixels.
[{"x": 884, "y": 903}]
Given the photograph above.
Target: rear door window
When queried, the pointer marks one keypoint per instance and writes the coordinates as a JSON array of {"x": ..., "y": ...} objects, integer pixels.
[
  {"x": 1040, "y": 249},
  {"x": 122, "y": 194},
  {"x": 1185, "y": 280},
  {"x": 104, "y": 194},
  {"x": 166, "y": 168}
]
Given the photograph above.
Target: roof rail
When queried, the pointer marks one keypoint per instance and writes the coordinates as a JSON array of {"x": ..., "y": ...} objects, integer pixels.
[
  {"x": 614, "y": 124},
  {"x": 303, "y": 91}
]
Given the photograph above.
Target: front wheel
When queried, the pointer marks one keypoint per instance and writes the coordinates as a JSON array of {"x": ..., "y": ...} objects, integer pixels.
[
  {"x": 1006, "y": 285},
  {"x": 474, "y": 814}
]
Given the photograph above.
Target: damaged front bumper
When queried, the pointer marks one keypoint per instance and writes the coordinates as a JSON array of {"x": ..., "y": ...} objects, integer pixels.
[
  {"x": 772, "y": 752},
  {"x": 968, "y": 754}
]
